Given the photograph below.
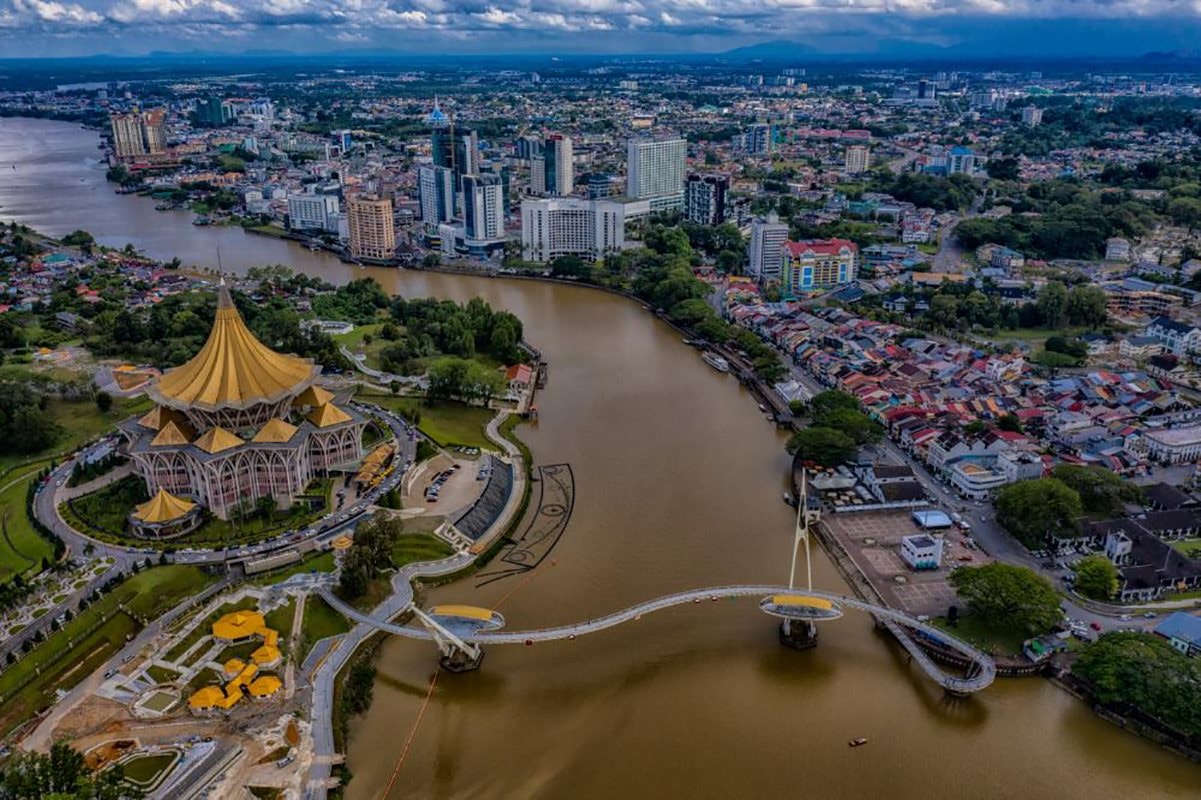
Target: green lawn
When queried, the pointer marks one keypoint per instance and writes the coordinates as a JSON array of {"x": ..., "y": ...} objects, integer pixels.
[
  {"x": 161, "y": 674},
  {"x": 69, "y": 655},
  {"x": 21, "y": 548},
  {"x": 414, "y": 547},
  {"x": 320, "y": 621},
  {"x": 321, "y": 562},
  {"x": 446, "y": 423},
  {"x": 280, "y": 620},
  {"x": 1035, "y": 336},
  {"x": 146, "y": 771},
  {"x": 354, "y": 342},
  {"x": 991, "y": 639},
  {"x": 1190, "y": 547}
]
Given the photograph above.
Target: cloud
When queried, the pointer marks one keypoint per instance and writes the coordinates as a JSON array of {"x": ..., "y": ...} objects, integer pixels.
[{"x": 507, "y": 24}]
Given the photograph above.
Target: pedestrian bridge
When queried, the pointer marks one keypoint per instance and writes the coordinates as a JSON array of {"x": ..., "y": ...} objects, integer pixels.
[{"x": 980, "y": 674}]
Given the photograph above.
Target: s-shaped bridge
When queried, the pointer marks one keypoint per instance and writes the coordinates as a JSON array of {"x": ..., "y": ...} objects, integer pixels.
[{"x": 980, "y": 674}]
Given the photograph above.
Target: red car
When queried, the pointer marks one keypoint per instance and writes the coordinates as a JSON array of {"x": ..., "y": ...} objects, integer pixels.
[{"x": 1095, "y": 626}]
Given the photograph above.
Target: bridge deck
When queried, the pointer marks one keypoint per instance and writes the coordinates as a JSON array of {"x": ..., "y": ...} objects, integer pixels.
[{"x": 979, "y": 677}]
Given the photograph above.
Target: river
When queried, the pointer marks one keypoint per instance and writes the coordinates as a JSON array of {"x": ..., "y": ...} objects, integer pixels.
[{"x": 678, "y": 482}]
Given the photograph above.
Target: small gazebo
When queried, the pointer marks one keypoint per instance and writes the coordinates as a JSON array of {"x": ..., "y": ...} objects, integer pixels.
[{"x": 165, "y": 515}]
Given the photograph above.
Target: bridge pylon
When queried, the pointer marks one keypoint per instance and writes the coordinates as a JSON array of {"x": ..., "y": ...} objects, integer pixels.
[{"x": 457, "y": 655}]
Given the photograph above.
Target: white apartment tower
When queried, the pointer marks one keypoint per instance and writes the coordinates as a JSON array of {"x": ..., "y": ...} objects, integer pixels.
[
  {"x": 766, "y": 250},
  {"x": 858, "y": 159},
  {"x": 483, "y": 207},
  {"x": 657, "y": 171},
  {"x": 560, "y": 226}
]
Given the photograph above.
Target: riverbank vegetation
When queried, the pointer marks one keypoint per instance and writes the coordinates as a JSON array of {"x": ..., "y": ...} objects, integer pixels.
[
  {"x": 1008, "y": 598},
  {"x": 836, "y": 431},
  {"x": 1138, "y": 671}
]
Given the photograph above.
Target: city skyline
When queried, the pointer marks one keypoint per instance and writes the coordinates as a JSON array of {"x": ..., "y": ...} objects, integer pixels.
[{"x": 875, "y": 28}]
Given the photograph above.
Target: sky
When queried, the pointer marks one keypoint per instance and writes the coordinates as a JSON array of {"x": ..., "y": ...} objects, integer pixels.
[{"x": 37, "y": 28}]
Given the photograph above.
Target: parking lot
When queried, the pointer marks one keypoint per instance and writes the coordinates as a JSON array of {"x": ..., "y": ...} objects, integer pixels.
[{"x": 873, "y": 541}]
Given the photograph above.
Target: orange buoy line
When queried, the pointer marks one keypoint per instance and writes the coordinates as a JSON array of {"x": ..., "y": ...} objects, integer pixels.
[{"x": 412, "y": 734}]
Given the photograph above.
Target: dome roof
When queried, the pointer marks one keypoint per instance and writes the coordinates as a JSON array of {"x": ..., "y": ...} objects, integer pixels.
[
  {"x": 233, "y": 369},
  {"x": 163, "y": 507}
]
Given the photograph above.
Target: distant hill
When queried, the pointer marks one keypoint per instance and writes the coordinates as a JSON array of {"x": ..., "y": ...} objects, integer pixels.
[{"x": 780, "y": 48}]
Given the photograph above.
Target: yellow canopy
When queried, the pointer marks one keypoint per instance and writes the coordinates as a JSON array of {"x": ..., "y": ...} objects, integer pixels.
[
  {"x": 214, "y": 440},
  {"x": 328, "y": 414},
  {"x": 238, "y": 625},
  {"x": 276, "y": 431},
  {"x": 313, "y": 396},
  {"x": 470, "y": 612},
  {"x": 163, "y": 507},
  {"x": 169, "y": 435},
  {"x": 233, "y": 369},
  {"x": 265, "y": 686}
]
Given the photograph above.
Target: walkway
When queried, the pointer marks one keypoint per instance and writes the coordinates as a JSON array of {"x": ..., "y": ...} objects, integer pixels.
[{"x": 979, "y": 677}]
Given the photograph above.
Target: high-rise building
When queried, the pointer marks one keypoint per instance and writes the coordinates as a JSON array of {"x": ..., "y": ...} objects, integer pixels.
[
  {"x": 436, "y": 188},
  {"x": 600, "y": 185},
  {"x": 1032, "y": 116},
  {"x": 312, "y": 211},
  {"x": 961, "y": 160},
  {"x": 560, "y": 226},
  {"x": 818, "y": 264},
  {"x": 558, "y": 166},
  {"x": 372, "y": 232},
  {"x": 457, "y": 149},
  {"x": 343, "y": 140},
  {"x": 858, "y": 159},
  {"x": 926, "y": 90},
  {"x": 657, "y": 170},
  {"x": 528, "y": 147},
  {"x": 705, "y": 199},
  {"x": 214, "y": 111},
  {"x": 765, "y": 251},
  {"x": 757, "y": 139},
  {"x": 538, "y": 175},
  {"x": 139, "y": 133},
  {"x": 483, "y": 207}
]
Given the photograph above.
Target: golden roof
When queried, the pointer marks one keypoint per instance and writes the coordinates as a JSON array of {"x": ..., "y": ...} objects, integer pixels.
[
  {"x": 233, "y": 369},
  {"x": 208, "y": 697},
  {"x": 214, "y": 440},
  {"x": 276, "y": 431},
  {"x": 265, "y": 686},
  {"x": 234, "y": 666},
  {"x": 327, "y": 414},
  {"x": 163, "y": 507},
  {"x": 267, "y": 654},
  {"x": 313, "y": 396},
  {"x": 171, "y": 434},
  {"x": 238, "y": 625}
]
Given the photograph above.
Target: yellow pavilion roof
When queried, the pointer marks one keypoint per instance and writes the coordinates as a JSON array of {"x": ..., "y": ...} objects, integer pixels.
[
  {"x": 238, "y": 625},
  {"x": 207, "y": 697},
  {"x": 327, "y": 414},
  {"x": 171, "y": 434},
  {"x": 234, "y": 666},
  {"x": 469, "y": 612},
  {"x": 267, "y": 654},
  {"x": 313, "y": 396},
  {"x": 233, "y": 369},
  {"x": 276, "y": 431},
  {"x": 265, "y": 686},
  {"x": 214, "y": 440},
  {"x": 163, "y": 507}
]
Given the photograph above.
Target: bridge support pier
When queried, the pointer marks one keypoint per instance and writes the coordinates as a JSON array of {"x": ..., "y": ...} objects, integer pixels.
[
  {"x": 461, "y": 660},
  {"x": 798, "y": 634}
]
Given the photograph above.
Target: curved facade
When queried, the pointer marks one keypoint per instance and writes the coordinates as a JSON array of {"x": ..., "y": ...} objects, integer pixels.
[{"x": 239, "y": 422}]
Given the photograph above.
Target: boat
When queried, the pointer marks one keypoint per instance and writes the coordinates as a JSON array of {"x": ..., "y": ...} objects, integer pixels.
[
  {"x": 316, "y": 248},
  {"x": 202, "y": 221},
  {"x": 717, "y": 362},
  {"x": 857, "y": 742}
]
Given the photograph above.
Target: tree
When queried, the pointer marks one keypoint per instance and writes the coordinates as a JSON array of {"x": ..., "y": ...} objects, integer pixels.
[
  {"x": 824, "y": 446},
  {"x": 1140, "y": 670},
  {"x": 855, "y": 424},
  {"x": 569, "y": 266},
  {"x": 1003, "y": 169},
  {"x": 1008, "y": 596},
  {"x": 831, "y": 400},
  {"x": 1010, "y": 422},
  {"x": 1052, "y": 304},
  {"x": 1087, "y": 305},
  {"x": 62, "y": 775},
  {"x": 1096, "y": 577},
  {"x": 104, "y": 402},
  {"x": 1101, "y": 491},
  {"x": 1037, "y": 510}
]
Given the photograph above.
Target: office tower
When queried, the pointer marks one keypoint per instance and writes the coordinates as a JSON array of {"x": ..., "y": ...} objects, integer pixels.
[
  {"x": 600, "y": 186},
  {"x": 483, "y": 207},
  {"x": 312, "y": 211},
  {"x": 557, "y": 163},
  {"x": 372, "y": 233},
  {"x": 766, "y": 247},
  {"x": 757, "y": 139},
  {"x": 818, "y": 264},
  {"x": 705, "y": 199},
  {"x": 560, "y": 226},
  {"x": 538, "y": 175},
  {"x": 139, "y": 133},
  {"x": 436, "y": 189},
  {"x": 528, "y": 147},
  {"x": 214, "y": 111},
  {"x": 458, "y": 150},
  {"x": 1032, "y": 116},
  {"x": 925, "y": 90},
  {"x": 656, "y": 171},
  {"x": 342, "y": 140},
  {"x": 858, "y": 159}
]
